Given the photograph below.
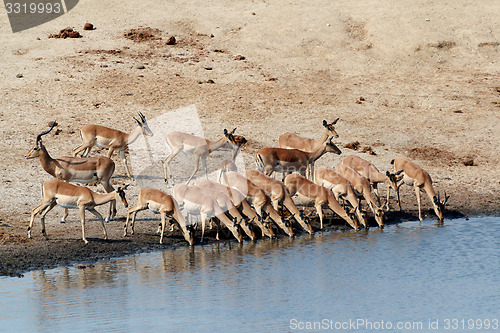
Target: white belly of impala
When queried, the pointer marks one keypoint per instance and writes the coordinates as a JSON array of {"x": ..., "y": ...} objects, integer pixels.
[
  {"x": 66, "y": 202},
  {"x": 154, "y": 207}
]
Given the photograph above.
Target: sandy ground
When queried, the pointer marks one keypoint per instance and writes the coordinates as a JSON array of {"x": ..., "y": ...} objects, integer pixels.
[{"x": 419, "y": 79}]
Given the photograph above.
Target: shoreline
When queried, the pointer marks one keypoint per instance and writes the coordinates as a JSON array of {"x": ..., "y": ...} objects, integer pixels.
[{"x": 19, "y": 255}]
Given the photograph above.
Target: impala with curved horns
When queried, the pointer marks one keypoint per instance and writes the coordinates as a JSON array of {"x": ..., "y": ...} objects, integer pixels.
[
  {"x": 159, "y": 203},
  {"x": 271, "y": 160},
  {"x": 415, "y": 176},
  {"x": 84, "y": 170},
  {"x": 199, "y": 147},
  {"x": 105, "y": 137},
  {"x": 57, "y": 192}
]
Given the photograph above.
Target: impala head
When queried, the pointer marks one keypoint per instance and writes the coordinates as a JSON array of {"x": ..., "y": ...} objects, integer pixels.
[
  {"x": 188, "y": 234},
  {"x": 120, "y": 194},
  {"x": 307, "y": 227},
  {"x": 35, "y": 151},
  {"x": 360, "y": 215},
  {"x": 379, "y": 216},
  {"x": 332, "y": 148},
  {"x": 331, "y": 128},
  {"x": 230, "y": 136},
  {"x": 394, "y": 178},
  {"x": 267, "y": 230},
  {"x": 439, "y": 205},
  {"x": 247, "y": 227},
  {"x": 143, "y": 124}
]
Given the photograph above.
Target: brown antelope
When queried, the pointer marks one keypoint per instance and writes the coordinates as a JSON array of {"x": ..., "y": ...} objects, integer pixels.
[
  {"x": 74, "y": 169},
  {"x": 370, "y": 171},
  {"x": 278, "y": 194},
  {"x": 292, "y": 141},
  {"x": 57, "y": 192},
  {"x": 105, "y": 137},
  {"x": 415, "y": 176},
  {"x": 159, "y": 203},
  {"x": 362, "y": 188},
  {"x": 196, "y": 203},
  {"x": 341, "y": 188},
  {"x": 309, "y": 192},
  {"x": 239, "y": 202},
  {"x": 283, "y": 160},
  {"x": 198, "y": 146},
  {"x": 257, "y": 197},
  {"x": 224, "y": 201}
]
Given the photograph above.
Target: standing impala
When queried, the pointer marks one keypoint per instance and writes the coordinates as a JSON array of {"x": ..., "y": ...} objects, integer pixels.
[
  {"x": 293, "y": 141},
  {"x": 283, "y": 160},
  {"x": 370, "y": 171},
  {"x": 57, "y": 192},
  {"x": 258, "y": 198},
  {"x": 196, "y": 203},
  {"x": 159, "y": 203},
  {"x": 362, "y": 188},
  {"x": 112, "y": 139},
  {"x": 278, "y": 194},
  {"x": 74, "y": 169},
  {"x": 341, "y": 188},
  {"x": 198, "y": 146},
  {"x": 415, "y": 176},
  {"x": 240, "y": 202},
  {"x": 320, "y": 196}
]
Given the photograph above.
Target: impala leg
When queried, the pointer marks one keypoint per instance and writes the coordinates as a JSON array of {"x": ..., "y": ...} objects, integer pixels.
[
  {"x": 65, "y": 215},
  {"x": 375, "y": 191},
  {"x": 320, "y": 214},
  {"x": 162, "y": 226},
  {"x": 43, "y": 208},
  {"x": 387, "y": 198},
  {"x": 112, "y": 204},
  {"x": 204, "y": 164},
  {"x": 127, "y": 168},
  {"x": 99, "y": 216},
  {"x": 417, "y": 192},
  {"x": 399, "y": 199},
  {"x": 196, "y": 166},
  {"x": 203, "y": 223},
  {"x": 166, "y": 164},
  {"x": 82, "y": 218},
  {"x": 132, "y": 211}
]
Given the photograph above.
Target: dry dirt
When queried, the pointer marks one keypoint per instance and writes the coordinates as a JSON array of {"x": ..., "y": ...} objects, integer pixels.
[{"x": 419, "y": 79}]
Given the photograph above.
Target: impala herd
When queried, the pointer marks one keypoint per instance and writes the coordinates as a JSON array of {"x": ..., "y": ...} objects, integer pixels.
[{"x": 239, "y": 202}]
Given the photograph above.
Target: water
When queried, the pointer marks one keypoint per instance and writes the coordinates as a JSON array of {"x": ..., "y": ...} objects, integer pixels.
[{"x": 404, "y": 274}]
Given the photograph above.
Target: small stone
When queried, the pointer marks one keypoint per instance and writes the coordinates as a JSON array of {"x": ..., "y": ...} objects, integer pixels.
[
  {"x": 19, "y": 76},
  {"x": 171, "y": 40},
  {"x": 239, "y": 57},
  {"x": 141, "y": 67},
  {"x": 468, "y": 161},
  {"x": 88, "y": 26}
]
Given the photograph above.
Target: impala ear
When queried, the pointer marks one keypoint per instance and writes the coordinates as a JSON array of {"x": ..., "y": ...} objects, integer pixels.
[
  {"x": 325, "y": 123},
  {"x": 335, "y": 121},
  {"x": 399, "y": 172},
  {"x": 445, "y": 200},
  {"x": 388, "y": 174}
]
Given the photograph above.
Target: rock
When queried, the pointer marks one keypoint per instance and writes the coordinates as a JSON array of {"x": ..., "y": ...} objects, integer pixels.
[
  {"x": 171, "y": 40},
  {"x": 468, "y": 161},
  {"x": 141, "y": 67},
  {"x": 19, "y": 76},
  {"x": 239, "y": 57},
  {"x": 88, "y": 26}
]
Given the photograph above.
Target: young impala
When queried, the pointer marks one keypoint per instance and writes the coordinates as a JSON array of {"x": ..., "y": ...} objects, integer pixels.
[
  {"x": 199, "y": 147},
  {"x": 278, "y": 194},
  {"x": 159, "y": 203},
  {"x": 84, "y": 170},
  {"x": 283, "y": 160},
  {"x": 57, "y": 192},
  {"x": 112, "y": 139},
  {"x": 196, "y": 203},
  {"x": 240, "y": 202},
  {"x": 257, "y": 197},
  {"x": 415, "y": 176},
  {"x": 341, "y": 188},
  {"x": 320, "y": 196},
  {"x": 370, "y": 171},
  {"x": 362, "y": 188}
]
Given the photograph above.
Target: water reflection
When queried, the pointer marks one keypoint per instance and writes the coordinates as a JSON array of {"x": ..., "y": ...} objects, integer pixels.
[{"x": 403, "y": 272}]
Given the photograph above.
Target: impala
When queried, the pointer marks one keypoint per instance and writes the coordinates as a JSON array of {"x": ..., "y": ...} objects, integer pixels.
[
  {"x": 257, "y": 197},
  {"x": 292, "y": 141},
  {"x": 362, "y": 188},
  {"x": 370, "y": 171},
  {"x": 320, "y": 196},
  {"x": 196, "y": 203},
  {"x": 283, "y": 160},
  {"x": 159, "y": 203},
  {"x": 240, "y": 202},
  {"x": 415, "y": 176},
  {"x": 112, "y": 139},
  {"x": 198, "y": 146},
  {"x": 341, "y": 188},
  {"x": 74, "y": 169},
  {"x": 224, "y": 202},
  {"x": 278, "y": 194},
  {"x": 57, "y": 192}
]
